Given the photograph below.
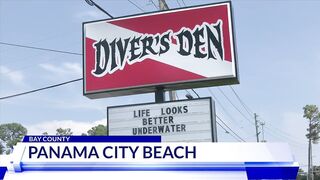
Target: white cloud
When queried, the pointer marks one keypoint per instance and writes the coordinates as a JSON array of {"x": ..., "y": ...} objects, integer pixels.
[
  {"x": 66, "y": 69},
  {"x": 74, "y": 67},
  {"x": 16, "y": 77},
  {"x": 50, "y": 126},
  {"x": 75, "y": 102}
]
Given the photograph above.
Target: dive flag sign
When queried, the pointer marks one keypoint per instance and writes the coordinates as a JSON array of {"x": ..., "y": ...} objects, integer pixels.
[{"x": 174, "y": 49}]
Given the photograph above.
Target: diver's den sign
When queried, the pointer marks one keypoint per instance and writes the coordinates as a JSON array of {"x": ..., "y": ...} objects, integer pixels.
[
  {"x": 176, "y": 121},
  {"x": 181, "y": 48}
]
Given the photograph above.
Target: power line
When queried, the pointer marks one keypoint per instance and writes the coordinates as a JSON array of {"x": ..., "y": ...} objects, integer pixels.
[
  {"x": 183, "y": 2},
  {"x": 222, "y": 122},
  {"x": 280, "y": 133},
  {"x": 40, "y": 89},
  {"x": 154, "y": 4},
  {"x": 177, "y": 96},
  {"x": 39, "y": 48},
  {"x": 75, "y": 80},
  {"x": 235, "y": 106},
  {"x": 230, "y": 129},
  {"x": 136, "y": 5},
  {"x": 242, "y": 103},
  {"x": 228, "y": 132},
  {"x": 178, "y": 3},
  {"x": 195, "y": 92},
  {"x": 292, "y": 142},
  {"x": 274, "y": 129},
  {"x": 92, "y": 3},
  {"x": 224, "y": 109}
]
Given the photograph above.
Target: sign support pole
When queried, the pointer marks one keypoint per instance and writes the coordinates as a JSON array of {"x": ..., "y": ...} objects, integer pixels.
[
  {"x": 164, "y": 6},
  {"x": 214, "y": 122},
  {"x": 257, "y": 126},
  {"x": 159, "y": 95}
]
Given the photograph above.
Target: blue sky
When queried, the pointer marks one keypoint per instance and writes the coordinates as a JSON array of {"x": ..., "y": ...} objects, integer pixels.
[{"x": 278, "y": 54}]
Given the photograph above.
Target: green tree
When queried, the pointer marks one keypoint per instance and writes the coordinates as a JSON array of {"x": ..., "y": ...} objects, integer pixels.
[
  {"x": 64, "y": 132},
  {"x": 316, "y": 172},
  {"x": 11, "y": 134},
  {"x": 301, "y": 175},
  {"x": 99, "y": 130},
  {"x": 2, "y": 150},
  {"x": 312, "y": 114}
]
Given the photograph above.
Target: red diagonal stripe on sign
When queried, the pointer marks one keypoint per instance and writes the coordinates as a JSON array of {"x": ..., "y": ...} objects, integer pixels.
[
  {"x": 160, "y": 23},
  {"x": 141, "y": 73}
]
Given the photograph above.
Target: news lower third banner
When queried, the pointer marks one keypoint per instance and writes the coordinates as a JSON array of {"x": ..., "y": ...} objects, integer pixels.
[{"x": 125, "y": 154}]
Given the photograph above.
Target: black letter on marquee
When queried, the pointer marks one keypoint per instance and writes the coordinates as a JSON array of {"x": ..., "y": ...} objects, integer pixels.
[
  {"x": 113, "y": 57},
  {"x": 99, "y": 66},
  {"x": 133, "y": 48},
  {"x": 147, "y": 45},
  {"x": 197, "y": 33},
  {"x": 164, "y": 42},
  {"x": 122, "y": 49},
  {"x": 216, "y": 42},
  {"x": 188, "y": 35}
]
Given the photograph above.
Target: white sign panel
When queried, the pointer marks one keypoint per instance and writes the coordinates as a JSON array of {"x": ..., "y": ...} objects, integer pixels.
[{"x": 177, "y": 121}]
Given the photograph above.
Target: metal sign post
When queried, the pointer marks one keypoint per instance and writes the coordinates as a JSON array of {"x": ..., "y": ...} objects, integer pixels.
[{"x": 159, "y": 95}]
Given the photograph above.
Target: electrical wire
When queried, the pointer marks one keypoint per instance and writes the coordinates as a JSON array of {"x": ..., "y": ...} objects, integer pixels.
[
  {"x": 280, "y": 132},
  {"x": 178, "y": 3},
  {"x": 222, "y": 121},
  {"x": 154, "y": 4},
  {"x": 75, "y": 80},
  {"x": 230, "y": 129},
  {"x": 195, "y": 93},
  {"x": 225, "y": 110},
  {"x": 183, "y": 2},
  {"x": 273, "y": 129},
  {"x": 177, "y": 96},
  {"x": 222, "y": 107},
  {"x": 229, "y": 133},
  {"x": 40, "y": 89},
  {"x": 136, "y": 6},
  {"x": 236, "y": 107},
  {"x": 39, "y": 48},
  {"x": 242, "y": 103},
  {"x": 284, "y": 136},
  {"x": 92, "y": 3}
]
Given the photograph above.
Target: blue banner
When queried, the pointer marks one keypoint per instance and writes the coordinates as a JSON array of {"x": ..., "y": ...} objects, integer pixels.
[{"x": 92, "y": 139}]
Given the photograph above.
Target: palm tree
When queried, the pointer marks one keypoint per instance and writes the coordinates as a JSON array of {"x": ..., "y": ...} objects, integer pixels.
[{"x": 311, "y": 112}]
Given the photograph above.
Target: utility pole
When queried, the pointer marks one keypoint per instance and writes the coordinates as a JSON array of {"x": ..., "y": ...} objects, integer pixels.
[
  {"x": 257, "y": 126},
  {"x": 262, "y": 130},
  {"x": 164, "y": 6},
  {"x": 310, "y": 173}
]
